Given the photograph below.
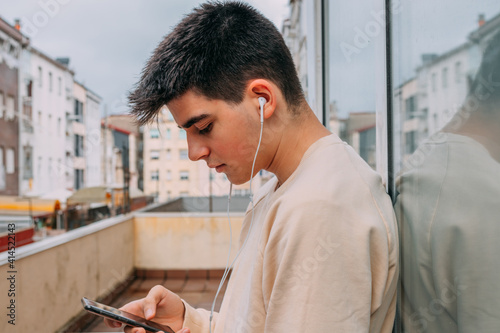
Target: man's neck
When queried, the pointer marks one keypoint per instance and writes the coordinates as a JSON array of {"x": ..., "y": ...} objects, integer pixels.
[{"x": 297, "y": 136}]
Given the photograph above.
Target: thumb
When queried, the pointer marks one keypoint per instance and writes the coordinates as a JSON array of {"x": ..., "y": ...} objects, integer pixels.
[
  {"x": 149, "y": 309},
  {"x": 155, "y": 295}
]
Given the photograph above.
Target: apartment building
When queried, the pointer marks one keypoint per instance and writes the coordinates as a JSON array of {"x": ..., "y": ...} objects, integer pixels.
[{"x": 121, "y": 152}]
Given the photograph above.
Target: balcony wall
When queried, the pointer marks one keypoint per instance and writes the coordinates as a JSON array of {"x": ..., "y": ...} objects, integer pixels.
[
  {"x": 53, "y": 274},
  {"x": 184, "y": 240}
]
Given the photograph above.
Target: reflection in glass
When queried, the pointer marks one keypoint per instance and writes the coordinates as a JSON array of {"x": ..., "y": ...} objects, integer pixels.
[
  {"x": 356, "y": 28},
  {"x": 448, "y": 189}
]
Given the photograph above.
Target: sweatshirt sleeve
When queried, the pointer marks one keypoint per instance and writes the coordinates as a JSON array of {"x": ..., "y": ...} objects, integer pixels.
[
  {"x": 198, "y": 320},
  {"x": 326, "y": 268}
]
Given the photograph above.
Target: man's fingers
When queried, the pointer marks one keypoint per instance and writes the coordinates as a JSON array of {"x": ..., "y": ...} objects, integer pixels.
[
  {"x": 130, "y": 329},
  {"x": 155, "y": 296}
]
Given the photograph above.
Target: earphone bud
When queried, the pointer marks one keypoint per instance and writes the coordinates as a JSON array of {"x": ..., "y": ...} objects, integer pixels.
[{"x": 262, "y": 101}]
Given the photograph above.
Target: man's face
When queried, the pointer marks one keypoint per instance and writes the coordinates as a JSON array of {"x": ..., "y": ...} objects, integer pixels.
[{"x": 224, "y": 135}]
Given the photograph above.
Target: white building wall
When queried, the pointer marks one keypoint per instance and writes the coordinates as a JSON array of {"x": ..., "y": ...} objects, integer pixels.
[
  {"x": 302, "y": 33},
  {"x": 446, "y": 92},
  {"x": 49, "y": 105},
  {"x": 93, "y": 142}
]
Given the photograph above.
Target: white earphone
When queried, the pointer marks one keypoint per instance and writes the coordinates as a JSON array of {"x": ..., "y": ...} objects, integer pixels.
[{"x": 262, "y": 101}]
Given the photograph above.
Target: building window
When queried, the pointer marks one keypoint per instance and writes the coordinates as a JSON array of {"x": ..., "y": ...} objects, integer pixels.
[
  {"x": 155, "y": 175},
  {"x": 169, "y": 155},
  {"x": 40, "y": 121},
  {"x": 59, "y": 125},
  {"x": 78, "y": 145},
  {"x": 154, "y": 133},
  {"x": 10, "y": 161},
  {"x": 445, "y": 77},
  {"x": 434, "y": 82},
  {"x": 183, "y": 154},
  {"x": 184, "y": 175},
  {"x": 2, "y": 107},
  {"x": 50, "y": 81},
  {"x": 59, "y": 86},
  {"x": 40, "y": 77},
  {"x": 169, "y": 175},
  {"x": 78, "y": 111},
  {"x": 10, "y": 108},
  {"x": 168, "y": 134},
  {"x": 411, "y": 107},
  {"x": 79, "y": 179},
  {"x": 182, "y": 134},
  {"x": 458, "y": 72},
  {"x": 39, "y": 167},
  {"x": 155, "y": 154}
]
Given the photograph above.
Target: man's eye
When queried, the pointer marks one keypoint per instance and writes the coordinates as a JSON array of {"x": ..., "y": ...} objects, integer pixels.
[{"x": 206, "y": 130}]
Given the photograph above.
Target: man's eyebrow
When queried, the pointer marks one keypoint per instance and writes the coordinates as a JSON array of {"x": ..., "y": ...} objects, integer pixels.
[{"x": 194, "y": 120}]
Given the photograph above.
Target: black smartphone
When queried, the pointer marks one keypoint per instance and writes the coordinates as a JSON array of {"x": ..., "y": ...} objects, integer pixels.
[{"x": 123, "y": 316}]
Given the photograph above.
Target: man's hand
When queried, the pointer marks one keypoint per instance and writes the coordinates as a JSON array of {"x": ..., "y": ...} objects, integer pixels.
[{"x": 160, "y": 305}]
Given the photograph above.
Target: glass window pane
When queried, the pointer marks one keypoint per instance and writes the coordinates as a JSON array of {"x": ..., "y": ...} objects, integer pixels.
[
  {"x": 446, "y": 79},
  {"x": 183, "y": 154},
  {"x": 10, "y": 159},
  {"x": 184, "y": 175},
  {"x": 355, "y": 29}
]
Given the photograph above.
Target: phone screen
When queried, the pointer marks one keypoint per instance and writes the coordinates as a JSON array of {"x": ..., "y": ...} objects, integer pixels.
[{"x": 123, "y": 316}]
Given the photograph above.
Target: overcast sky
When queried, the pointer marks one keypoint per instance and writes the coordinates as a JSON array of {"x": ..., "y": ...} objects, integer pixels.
[{"x": 108, "y": 41}]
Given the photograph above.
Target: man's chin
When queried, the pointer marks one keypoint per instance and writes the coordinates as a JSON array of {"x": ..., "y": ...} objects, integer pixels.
[{"x": 236, "y": 180}]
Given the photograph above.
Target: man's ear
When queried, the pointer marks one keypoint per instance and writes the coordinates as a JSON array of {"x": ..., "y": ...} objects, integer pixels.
[{"x": 263, "y": 88}]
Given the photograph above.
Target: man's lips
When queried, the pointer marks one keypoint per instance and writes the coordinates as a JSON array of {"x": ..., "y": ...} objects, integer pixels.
[{"x": 217, "y": 167}]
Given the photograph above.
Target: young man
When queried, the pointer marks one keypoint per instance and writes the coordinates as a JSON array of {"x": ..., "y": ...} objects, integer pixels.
[{"x": 322, "y": 251}]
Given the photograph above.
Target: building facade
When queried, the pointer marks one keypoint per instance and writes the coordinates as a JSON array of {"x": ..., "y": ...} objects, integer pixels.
[
  {"x": 93, "y": 139},
  {"x": 46, "y": 142},
  {"x": 11, "y": 44}
]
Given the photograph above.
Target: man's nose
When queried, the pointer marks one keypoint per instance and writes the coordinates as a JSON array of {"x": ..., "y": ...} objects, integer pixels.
[{"x": 197, "y": 150}]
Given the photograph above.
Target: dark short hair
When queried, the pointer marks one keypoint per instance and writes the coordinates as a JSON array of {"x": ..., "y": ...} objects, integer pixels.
[
  {"x": 486, "y": 83},
  {"x": 214, "y": 51}
]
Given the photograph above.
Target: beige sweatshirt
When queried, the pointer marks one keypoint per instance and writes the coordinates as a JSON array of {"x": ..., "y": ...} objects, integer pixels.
[{"x": 321, "y": 256}]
